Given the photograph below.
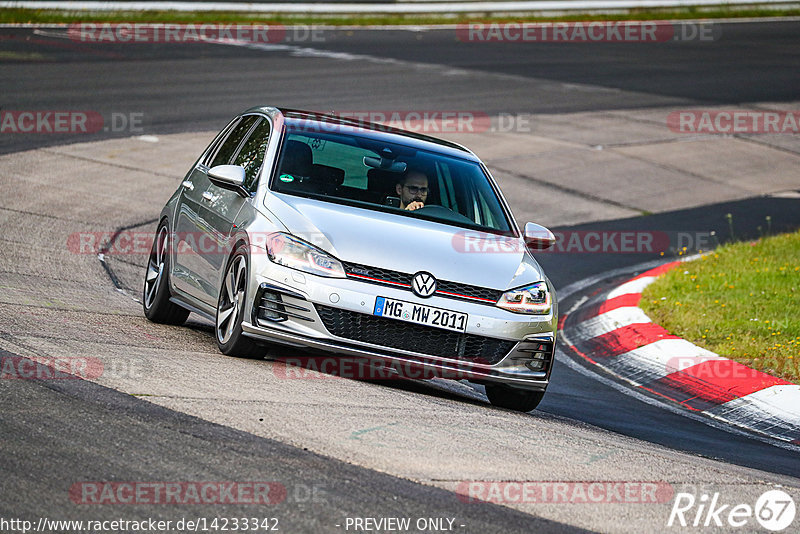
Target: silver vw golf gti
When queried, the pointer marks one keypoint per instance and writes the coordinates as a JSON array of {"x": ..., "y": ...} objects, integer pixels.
[{"x": 361, "y": 240}]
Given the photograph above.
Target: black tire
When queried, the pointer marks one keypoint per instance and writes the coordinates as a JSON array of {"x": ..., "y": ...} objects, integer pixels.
[
  {"x": 521, "y": 400},
  {"x": 231, "y": 309},
  {"x": 155, "y": 293}
]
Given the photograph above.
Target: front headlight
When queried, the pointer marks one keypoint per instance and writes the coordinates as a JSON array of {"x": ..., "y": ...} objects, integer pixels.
[
  {"x": 289, "y": 251},
  {"x": 533, "y": 299}
]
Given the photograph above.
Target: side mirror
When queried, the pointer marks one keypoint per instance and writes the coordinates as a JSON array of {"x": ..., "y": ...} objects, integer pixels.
[
  {"x": 537, "y": 237},
  {"x": 228, "y": 177}
]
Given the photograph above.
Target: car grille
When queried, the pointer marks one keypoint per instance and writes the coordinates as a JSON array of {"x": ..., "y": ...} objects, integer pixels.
[
  {"x": 412, "y": 337},
  {"x": 444, "y": 288}
]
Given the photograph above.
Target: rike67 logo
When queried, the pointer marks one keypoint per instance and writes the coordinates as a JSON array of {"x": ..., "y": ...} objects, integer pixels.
[{"x": 774, "y": 510}]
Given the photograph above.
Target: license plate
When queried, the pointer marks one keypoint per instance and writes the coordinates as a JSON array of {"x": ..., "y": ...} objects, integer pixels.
[{"x": 420, "y": 314}]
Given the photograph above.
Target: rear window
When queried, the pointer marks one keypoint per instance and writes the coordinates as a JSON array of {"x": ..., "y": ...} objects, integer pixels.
[{"x": 374, "y": 174}]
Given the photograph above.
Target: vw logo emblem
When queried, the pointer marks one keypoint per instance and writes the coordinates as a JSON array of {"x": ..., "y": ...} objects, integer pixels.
[{"x": 423, "y": 284}]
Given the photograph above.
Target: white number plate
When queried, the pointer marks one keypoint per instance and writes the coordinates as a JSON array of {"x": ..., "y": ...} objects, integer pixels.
[{"x": 420, "y": 314}]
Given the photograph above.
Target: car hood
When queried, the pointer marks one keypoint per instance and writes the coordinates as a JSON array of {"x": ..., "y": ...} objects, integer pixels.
[{"x": 407, "y": 244}]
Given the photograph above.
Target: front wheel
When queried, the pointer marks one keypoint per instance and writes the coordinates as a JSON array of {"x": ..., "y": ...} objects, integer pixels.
[
  {"x": 231, "y": 309},
  {"x": 521, "y": 400},
  {"x": 155, "y": 294}
]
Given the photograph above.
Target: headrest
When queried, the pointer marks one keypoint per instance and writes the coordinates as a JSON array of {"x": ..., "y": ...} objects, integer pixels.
[
  {"x": 329, "y": 175},
  {"x": 297, "y": 159}
]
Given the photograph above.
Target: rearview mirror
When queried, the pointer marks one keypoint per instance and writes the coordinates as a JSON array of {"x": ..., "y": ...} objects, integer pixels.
[
  {"x": 227, "y": 176},
  {"x": 385, "y": 164},
  {"x": 537, "y": 237}
]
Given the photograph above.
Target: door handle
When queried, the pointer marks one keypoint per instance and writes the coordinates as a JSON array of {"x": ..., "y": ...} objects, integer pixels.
[{"x": 188, "y": 185}]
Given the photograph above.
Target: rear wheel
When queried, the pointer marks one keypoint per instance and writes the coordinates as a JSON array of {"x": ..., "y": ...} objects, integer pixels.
[
  {"x": 521, "y": 400},
  {"x": 231, "y": 309},
  {"x": 155, "y": 294}
]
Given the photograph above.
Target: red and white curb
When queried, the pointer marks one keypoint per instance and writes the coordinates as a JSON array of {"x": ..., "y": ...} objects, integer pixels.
[{"x": 613, "y": 333}]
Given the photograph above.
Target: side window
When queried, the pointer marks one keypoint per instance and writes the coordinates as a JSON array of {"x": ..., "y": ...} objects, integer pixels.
[
  {"x": 251, "y": 156},
  {"x": 228, "y": 148},
  {"x": 212, "y": 148}
]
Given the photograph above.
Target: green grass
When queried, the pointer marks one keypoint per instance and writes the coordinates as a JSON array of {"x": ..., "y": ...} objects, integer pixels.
[
  {"x": 741, "y": 301},
  {"x": 13, "y": 15}
]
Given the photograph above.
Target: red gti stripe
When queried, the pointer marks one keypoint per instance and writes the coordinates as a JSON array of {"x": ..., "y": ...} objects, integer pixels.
[
  {"x": 465, "y": 296},
  {"x": 409, "y": 285},
  {"x": 379, "y": 280}
]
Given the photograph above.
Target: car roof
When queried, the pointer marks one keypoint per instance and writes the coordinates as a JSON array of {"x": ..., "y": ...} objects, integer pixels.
[{"x": 389, "y": 134}]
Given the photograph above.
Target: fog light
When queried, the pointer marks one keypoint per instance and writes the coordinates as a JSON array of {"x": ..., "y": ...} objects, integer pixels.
[
  {"x": 270, "y": 308},
  {"x": 535, "y": 365}
]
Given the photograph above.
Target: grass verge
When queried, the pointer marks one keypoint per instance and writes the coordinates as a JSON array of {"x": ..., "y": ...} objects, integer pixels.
[
  {"x": 741, "y": 301},
  {"x": 54, "y": 16}
]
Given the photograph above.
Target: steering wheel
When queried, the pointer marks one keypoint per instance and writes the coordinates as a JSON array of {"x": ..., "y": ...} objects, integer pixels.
[
  {"x": 434, "y": 209},
  {"x": 442, "y": 212}
]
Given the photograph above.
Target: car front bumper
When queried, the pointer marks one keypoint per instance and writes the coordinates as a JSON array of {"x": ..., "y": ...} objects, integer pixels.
[{"x": 296, "y": 309}]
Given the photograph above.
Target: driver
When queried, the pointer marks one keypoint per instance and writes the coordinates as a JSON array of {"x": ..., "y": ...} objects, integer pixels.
[{"x": 412, "y": 190}]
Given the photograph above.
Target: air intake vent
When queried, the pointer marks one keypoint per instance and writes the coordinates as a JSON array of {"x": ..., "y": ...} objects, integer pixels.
[{"x": 412, "y": 337}]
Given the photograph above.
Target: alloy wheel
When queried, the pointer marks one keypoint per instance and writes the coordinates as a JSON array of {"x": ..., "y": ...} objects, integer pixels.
[
  {"x": 231, "y": 302},
  {"x": 155, "y": 267}
]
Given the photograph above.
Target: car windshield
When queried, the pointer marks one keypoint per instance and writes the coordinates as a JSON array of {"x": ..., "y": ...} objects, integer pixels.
[{"x": 372, "y": 173}]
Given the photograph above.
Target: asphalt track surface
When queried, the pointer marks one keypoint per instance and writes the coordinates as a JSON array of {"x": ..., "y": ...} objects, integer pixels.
[
  {"x": 54, "y": 434},
  {"x": 198, "y": 87},
  {"x": 79, "y": 423}
]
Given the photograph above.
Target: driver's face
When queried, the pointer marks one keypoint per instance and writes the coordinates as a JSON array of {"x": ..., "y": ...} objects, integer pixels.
[{"x": 415, "y": 189}]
